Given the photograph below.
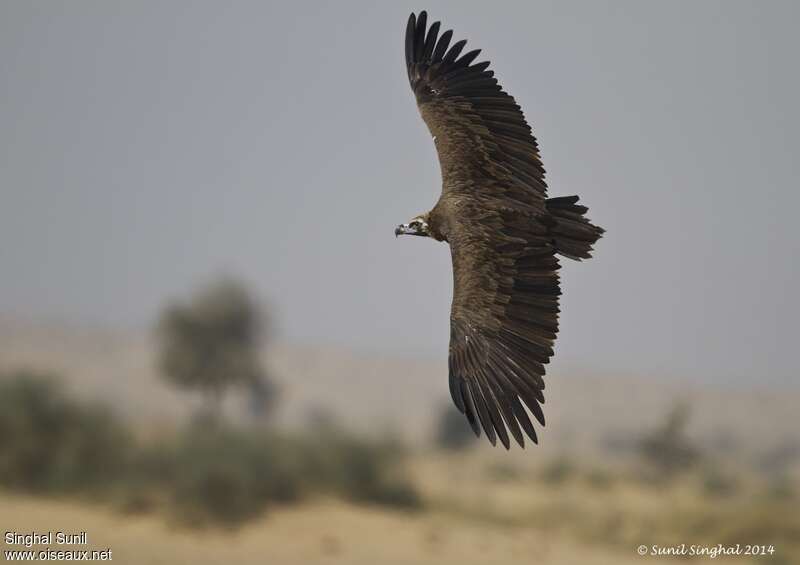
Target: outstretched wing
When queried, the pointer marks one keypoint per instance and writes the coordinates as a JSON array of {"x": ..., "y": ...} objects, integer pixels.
[
  {"x": 479, "y": 130},
  {"x": 503, "y": 320},
  {"x": 504, "y": 316}
]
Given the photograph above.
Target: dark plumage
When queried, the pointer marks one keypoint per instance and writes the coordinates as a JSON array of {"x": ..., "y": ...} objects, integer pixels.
[{"x": 504, "y": 234}]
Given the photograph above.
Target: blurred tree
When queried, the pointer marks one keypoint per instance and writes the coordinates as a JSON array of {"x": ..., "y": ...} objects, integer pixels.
[
  {"x": 212, "y": 343},
  {"x": 667, "y": 448},
  {"x": 453, "y": 431},
  {"x": 262, "y": 396}
]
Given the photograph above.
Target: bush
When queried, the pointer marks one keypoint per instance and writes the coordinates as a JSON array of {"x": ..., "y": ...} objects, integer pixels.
[
  {"x": 371, "y": 473},
  {"x": 666, "y": 449},
  {"x": 213, "y": 475},
  {"x": 220, "y": 490},
  {"x": 360, "y": 470},
  {"x": 49, "y": 443},
  {"x": 208, "y": 475}
]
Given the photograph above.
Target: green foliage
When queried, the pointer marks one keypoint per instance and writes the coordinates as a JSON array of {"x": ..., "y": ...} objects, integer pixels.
[
  {"x": 364, "y": 471},
  {"x": 222, "y": 476},
  {"x": 212, "y": 475},
  {"x": 212, "y": 342},
  {"x": 49, "y": 443},
  {"x": 453, "y": 431},
  {"x": 667, "y": 450},
  {"x": 209, "y": 475}
]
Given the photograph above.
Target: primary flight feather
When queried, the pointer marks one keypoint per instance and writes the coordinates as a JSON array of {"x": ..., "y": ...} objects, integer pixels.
[{"x": 504, "y": 234}]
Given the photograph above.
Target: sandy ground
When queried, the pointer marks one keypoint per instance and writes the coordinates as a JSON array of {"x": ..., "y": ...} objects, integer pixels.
[
  {"x": 472, "y": 518},
  {"x": 321, "y": 533}
]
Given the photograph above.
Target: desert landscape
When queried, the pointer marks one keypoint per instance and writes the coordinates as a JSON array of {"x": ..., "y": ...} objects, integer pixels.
[
  {"x": 583, "y": 495},
  {"x": 370, "y": 393}
]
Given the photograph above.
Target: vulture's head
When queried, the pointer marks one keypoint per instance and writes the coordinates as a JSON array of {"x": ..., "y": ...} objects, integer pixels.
[{"x": 417, "y": 226}]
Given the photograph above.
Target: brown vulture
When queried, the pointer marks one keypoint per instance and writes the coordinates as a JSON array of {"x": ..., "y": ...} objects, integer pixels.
[{"x": 504, "y": 234}]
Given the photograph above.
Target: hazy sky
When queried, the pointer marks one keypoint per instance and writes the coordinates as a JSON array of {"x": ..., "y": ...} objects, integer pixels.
[{"x": 146, "y": 147}]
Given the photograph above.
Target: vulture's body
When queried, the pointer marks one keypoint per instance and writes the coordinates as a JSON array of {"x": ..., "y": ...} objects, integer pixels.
[{"x": 504, "y": 235}]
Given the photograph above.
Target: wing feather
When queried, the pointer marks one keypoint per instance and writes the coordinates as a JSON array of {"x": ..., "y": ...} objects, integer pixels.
[
  {"x": 504, "y": 317},
  {"x": 460, "y": 101},
  {"x": 430, "y": 41}
]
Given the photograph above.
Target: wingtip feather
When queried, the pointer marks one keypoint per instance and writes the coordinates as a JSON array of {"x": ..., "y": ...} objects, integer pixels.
[{"x": 410, "y": 27}]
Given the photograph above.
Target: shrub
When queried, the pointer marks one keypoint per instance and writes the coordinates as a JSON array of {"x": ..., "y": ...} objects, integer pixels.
[
  {"x": 666, "y": 449},
  {"x": 215, "y": 475},
  {"x": 360, "y": 470},
  {"x": 209, "y": 475},
  {"x": 212, "y": 475},
  {"x": 372, "y": 475},
  {"x": 50, "y": 443}
]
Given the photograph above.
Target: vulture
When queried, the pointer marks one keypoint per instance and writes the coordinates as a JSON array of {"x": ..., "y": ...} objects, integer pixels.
[{"x": 505, "y": 235}]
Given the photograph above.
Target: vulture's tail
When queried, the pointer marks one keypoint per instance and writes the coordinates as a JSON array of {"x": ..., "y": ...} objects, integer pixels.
[{"x": 572, "y": 232}]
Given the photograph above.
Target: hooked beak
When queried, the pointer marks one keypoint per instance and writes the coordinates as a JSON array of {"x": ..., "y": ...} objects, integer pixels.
[
  {"x": 404, "y": 229},
  {"x": 415, "y": 227}
]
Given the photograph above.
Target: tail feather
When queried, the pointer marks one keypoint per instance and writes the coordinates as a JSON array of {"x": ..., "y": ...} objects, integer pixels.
[{"x": 572, "y": 232}]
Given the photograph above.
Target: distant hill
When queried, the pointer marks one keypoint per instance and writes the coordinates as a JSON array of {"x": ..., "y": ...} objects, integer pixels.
[{"x": 373, "y": 393}]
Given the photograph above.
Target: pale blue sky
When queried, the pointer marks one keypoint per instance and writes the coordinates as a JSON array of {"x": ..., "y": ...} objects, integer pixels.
[{"x": 146, "y": 147}]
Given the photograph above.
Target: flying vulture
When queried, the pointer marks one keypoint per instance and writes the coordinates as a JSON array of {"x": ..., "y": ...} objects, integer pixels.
[{"x": 504, "y": 233}]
